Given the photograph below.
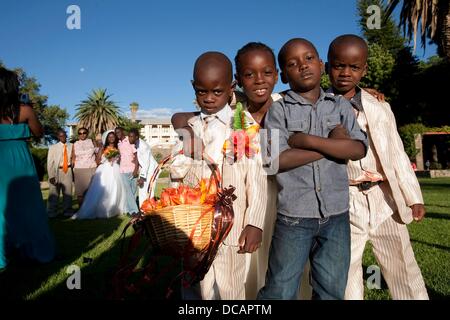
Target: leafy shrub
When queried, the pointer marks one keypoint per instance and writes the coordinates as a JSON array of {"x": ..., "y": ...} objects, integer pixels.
[{"x": 40, "y": 161}]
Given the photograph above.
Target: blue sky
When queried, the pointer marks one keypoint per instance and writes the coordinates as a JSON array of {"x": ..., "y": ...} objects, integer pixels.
[{"x": 144, "y": 50}]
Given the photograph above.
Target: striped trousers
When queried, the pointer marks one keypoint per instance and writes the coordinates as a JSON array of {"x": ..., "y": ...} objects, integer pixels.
[
  {"x": 392, "y": 249},
  {"x": 225, "y": 279}
]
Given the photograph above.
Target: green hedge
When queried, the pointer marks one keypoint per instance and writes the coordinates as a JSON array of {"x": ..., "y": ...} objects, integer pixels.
[{"x": 407, "y": 133}]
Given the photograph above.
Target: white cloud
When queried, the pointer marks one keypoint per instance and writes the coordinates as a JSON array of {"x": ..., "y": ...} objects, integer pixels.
[{"x": 154, "y": 113}]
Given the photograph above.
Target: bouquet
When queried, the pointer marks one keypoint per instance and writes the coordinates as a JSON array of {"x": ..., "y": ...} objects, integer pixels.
[
  {"x": 111, "y": 153},
  {"x": 204, "y": 193},
  {"x": 242, "y": 140}
]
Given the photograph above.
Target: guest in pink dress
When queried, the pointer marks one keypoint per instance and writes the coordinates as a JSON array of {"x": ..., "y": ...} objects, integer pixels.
[
  {"x": 84, "y": 164},
  {"x": 129, "y": 167}
]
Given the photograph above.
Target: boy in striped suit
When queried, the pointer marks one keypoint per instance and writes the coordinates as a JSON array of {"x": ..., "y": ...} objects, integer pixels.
[{"x": 384, "y": 192}]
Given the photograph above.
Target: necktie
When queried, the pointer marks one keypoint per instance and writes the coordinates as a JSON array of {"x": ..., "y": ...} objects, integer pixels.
[
  {"x": 65, "y": 160},
  {"x": 208, "y": 136},
  {"x": 214, "y": 137}
]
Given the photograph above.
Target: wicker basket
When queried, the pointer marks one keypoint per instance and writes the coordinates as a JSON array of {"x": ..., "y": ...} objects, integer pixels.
[{"x": 177, "y": 228}]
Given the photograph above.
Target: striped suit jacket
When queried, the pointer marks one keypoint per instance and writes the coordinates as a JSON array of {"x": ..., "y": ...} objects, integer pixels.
[{"x": 396, "y": 165}]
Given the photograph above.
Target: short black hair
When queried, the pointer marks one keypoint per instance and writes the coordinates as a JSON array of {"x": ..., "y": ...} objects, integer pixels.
[
  {"x": 119, "y": 128},
  {"x": 214, "y": 59},
  {"x": 251, "y": 46},
  {"x": 116, "y": 141},
  {"x": 9, "y": 95},
  {"x": 348, "y": 40},
  {"x": 134, "y": 131},
  {"x": 59, "y": 130},
  {"x": 282, "y": 53}
]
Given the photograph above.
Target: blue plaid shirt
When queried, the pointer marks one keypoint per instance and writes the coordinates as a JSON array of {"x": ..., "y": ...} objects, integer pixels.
[{"x": 318, "y": 189}]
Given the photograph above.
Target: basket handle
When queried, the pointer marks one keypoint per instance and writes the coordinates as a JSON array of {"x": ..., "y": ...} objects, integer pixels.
[{"x": 215, "y": 172}]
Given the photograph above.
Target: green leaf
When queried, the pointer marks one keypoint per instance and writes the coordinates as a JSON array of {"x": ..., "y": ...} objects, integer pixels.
[{"x": 238, "y": 113}]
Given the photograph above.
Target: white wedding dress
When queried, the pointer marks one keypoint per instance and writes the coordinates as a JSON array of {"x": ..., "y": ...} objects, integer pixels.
[{"x": 108, "y": 195}]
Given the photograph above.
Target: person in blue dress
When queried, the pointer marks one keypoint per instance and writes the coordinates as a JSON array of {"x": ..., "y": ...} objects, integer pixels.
[{"x": 24, "y": 228}]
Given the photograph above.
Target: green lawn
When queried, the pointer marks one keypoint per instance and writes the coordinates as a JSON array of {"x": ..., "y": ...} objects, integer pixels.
[
  {"x": 431, "y": 242},
  {"x": 95, "y": 247}
]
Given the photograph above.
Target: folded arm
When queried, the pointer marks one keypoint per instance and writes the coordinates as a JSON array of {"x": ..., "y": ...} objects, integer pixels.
[
  {"x": 293, "y": 158},
  {"x": 338, "y": 148}
]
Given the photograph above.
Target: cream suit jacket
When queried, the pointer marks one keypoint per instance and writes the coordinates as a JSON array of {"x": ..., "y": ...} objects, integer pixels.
[
  {"x": 396, "y": 165},
  {"x": 55, "y": 158}
]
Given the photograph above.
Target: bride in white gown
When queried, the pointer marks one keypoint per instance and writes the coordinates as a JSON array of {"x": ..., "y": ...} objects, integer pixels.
[{"x": 108, "y": 195}]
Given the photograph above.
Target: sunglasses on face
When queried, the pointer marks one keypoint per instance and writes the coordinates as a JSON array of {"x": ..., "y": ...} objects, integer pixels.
[{"x": 82, "y": 133}]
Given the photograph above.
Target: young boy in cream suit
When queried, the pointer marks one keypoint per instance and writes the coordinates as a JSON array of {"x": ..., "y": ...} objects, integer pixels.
[
  {"x": 213, "y": 87},
  {"x": 384, "y": 192}
]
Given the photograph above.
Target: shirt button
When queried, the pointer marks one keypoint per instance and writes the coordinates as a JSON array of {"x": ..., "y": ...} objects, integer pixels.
[{"x": 318, "y": 189}]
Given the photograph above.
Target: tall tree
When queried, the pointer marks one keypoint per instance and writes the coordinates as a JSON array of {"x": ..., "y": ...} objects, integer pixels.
[
  {"x": 98, "y": 112},
  {"x": 388, "y": 36},
  {"x": 134, "y": 107},
  {"x": 433, "y": 17},
  {"x": 128, "y": 124},
  {"x": 51, "y": 117},
  {"x": 413, "y": 88},
  {"x": 380, "y": 65},
  {"x": 394, "y": 80}
]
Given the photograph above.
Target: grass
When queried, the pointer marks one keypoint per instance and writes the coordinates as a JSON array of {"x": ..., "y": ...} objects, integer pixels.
[
  {"x": 94, "y": 246},
  {"x": 430, "y": 240}
]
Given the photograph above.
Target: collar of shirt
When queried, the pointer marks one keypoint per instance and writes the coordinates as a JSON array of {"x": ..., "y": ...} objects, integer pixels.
[
  {"x": 294, "y": 98},
  {"x": 224, "y": 115},
  {"x": 356, "y": 101}
]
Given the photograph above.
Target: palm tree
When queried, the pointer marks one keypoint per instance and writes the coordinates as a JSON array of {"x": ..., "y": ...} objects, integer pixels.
[
  {"x": 134, "y": 107},
  {"x": 98, "y": 113},
  {"x": 434, "y": 16}
]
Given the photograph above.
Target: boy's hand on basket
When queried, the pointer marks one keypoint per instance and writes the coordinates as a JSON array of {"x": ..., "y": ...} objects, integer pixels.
[
  {"x": 192, "y": 144},
  {"x": 250, "y": 239},
  {"x": 140, "y": 182}
]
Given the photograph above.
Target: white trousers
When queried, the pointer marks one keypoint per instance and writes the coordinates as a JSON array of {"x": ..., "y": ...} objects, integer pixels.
[
  {"x": 392, "y": 249},
  {"x": 225, "y": 279}
]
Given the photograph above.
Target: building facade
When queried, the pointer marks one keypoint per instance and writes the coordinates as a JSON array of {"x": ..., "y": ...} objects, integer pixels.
[{"x": 158, "y": 132}]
